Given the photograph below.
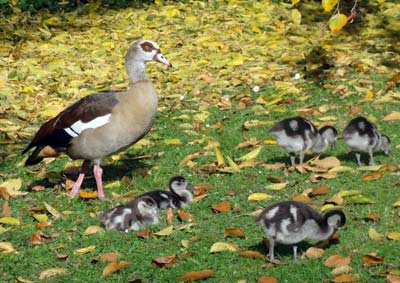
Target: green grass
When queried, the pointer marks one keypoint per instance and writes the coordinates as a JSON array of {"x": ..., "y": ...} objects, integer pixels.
[{"x": 208, "y": 227}]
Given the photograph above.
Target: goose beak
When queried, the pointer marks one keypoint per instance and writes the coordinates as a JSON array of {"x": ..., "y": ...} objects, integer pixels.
[{"x": 158, "y": 57}]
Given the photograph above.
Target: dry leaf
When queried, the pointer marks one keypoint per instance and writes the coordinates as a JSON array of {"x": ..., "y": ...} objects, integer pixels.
[
  {"x": 222, "y": 246},
  {"x": 252, "y": 254},
  {"x": 52, "y": 211},
  {"x": 393, "y": 278},
  {"x": 314, "y": 253},
  {"x": 184, "y": 216},
  {"x": 22, "y": 280},
  {"x": 113, "y": 256},
  {"x": 164, "y": 261},
  {"x": 251, "y": 155},
  {"x": 258, "y": 196},
  {"x": 394, "y": 116},
  {"x": 165, "y": 232},
  {"x": 341, "y": 270},
  {"x": 371, "y": 259},
  {"x": 374, "y": 235},
  {"x": 38, "y": 238},
  {"x": 88, "y": 194},
  {"x": 84, "y": 250},
  {"x": 169, "y": 215},
  {"x": 6, "y": 209},
  {"x": 337, "y": 261},
  {"x": 13, "y": 187},
  {"x": 267, "y": 279},
  {"x": 10, "y": 221},
  {"x": 114, "y": 266},
  {"x": 92, "y": 230},
  {"x": 302, "y": 198},
  {"x": 326, "y": 163},
  {"x": 223, "y": 206},
  {"x": 4, "y": 193},
  {"x": 337, "y": 200},
  {"x": 372, "y": 216},
  {"x": 321, "y": 190},
  {"x": 201, "y": 189},
  {"x": 372, "y": 176},
  {"x": 197, "y": 275},
  {"x": 235, "y": 232},
  {"x": 6, "y": 248},
  {"x": 394, "y": 236},
  {"x": 345, "y": 278},
  {"x": 144, "y": 234},
  {"x": 276, "y": 179},
  {"x": 52, "y": 272},
  {"x": 276, "y": 186}
]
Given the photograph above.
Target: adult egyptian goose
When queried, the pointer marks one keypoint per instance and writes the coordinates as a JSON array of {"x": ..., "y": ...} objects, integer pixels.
[
  {"x": 103, "y": 123},
  {"x": 298, "y": 135},
  {"x": 141, "y": 212},
  {"x": 291, "y": 222},
  {"x": 361, "y": 135},
  {"x": 178, "y": 196}
]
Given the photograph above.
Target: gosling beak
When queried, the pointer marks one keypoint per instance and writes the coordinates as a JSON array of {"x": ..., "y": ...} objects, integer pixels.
[{"x": 158, "y": 57}]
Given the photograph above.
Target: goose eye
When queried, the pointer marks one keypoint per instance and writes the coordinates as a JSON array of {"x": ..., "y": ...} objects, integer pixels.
[{"x": 147, "y": 47}]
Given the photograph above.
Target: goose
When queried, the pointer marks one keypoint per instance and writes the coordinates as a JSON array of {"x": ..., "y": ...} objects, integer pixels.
[
  {"x": 290, "y": 222},
  {"x": 361, "y": 135},
  {"x": 140, "y": 212},
  {"x": 103, "y": 123},
  {"x": 299, "y": 135},
  {"x": 329, "y": 133},
  {"x": 178, "y": 196}
]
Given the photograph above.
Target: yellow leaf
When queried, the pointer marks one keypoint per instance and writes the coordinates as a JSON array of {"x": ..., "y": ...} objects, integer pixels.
[
  {"x": 370, "y": 168},
  {"x": 349, "y": 193},
  {"x": 10, "y": 221},
  {"x": 233, "y": 165},
  {"x": 328, "y": 206},
  {"x": 92, "y": 230},
  {"x": 84, "y": 250},
  {"x": 252, "y": 154},
  {"x": 394, "y": 236},
  {"x": 41, "y": 217},
  {"x": 3, "y": 230},
  {"x": 220, "y": 157},
  {"x": 52, "y": 210},
  {"x": 296, "y": 16},
  {"x": 52, "y": 272},
  {"x": 114, "y": 266},
  {"x": 397, "y": 203},
  {"x": 51, "y": 111},
  {"x": 13, "y": 187},
  {"x": 258, "y": 196},
  {"x": 276, "y": 187},
  {"x": 394, "y": 116},
  {"x": 237, "y": 61},
  {"x": 269, "y": 141},
  {"x": 222, "y": 246},
  {"x": 202, "y": 117},
  {"x": 374, "y": 235},
  {"x": 294, "y": 2},
  {"x": 341, "y": 169},
  {"x": 328, "y": 5},
  {"x": 174, "y": 141},
  {"x": 6, "y": 248},
  {"x": 337, "y": 22},
  {"x": 165, "y": 232}
]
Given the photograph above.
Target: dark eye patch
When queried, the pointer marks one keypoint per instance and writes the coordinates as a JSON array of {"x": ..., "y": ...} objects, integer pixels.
[{"x": 147, "y": 46}]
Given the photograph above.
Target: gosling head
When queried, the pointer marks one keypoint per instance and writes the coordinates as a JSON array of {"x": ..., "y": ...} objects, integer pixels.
[
  {"x": 335, "y": 218},
  {"x": 385, "y": 145},
  {"x": 178, "y": 184},
  {"x": 146, "y": 205}
]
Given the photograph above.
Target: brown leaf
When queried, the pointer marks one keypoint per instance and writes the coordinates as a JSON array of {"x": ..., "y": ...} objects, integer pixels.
[
  {"x": 393, "y": 278},
  {"x": 197, "y": 275},
  {"x": 52, "y": 272},
  {"x": 38, "y": 238},
  {"x": 337, "y": 260},
  {"x": 112, "y": 256},
  {"x": 302, "y": 198},
  {"x": 92, "y": 230},
  {"x": 345, "y": 278},
  {"x": 337, "y": 200},
  {"x": 276, "y": 179},
  {"x": 62, "y": 256},
  {"x": 321, "y": 190},
  {"x": 372, "y": 216},
  {"x": 144, "y": 234},
  {"x": 6, "y": 209},
  {"x": 393, "y": 116},
  {"x": 372, "y": 176},
  {"x": 267, "y": 279},
  {"x": 4, "y": 193},
  {"x": 201, "y": 189},
  {"x": 169, "y": 215},
  {"x": 372, "y": 259},
  {"x": 164, "y": 261},
  {"x": 313, "y": 252},
  {"x": 235, "y": 232},
  {"x": 114, "y": 266},
  {"x": 341, "y": 269},
  {"x": 223, "y": 206},
  {"x": 184, "y": 216},
  {"x": 42, "y": 225},
  {"x": 251, "y": 254}
]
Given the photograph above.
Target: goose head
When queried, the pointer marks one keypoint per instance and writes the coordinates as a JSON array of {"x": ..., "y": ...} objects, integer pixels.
[
  {"x": 384, "y": 145},
  {"x": 138, "y": 54},
  {"x": 335, "y": 218},
  {"x": 178, "y": 184},
  {"x": 147, "y": 205}
]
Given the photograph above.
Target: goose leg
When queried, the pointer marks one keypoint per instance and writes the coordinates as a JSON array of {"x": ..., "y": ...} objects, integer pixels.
[
  {"x": 371, "y": 157},
  {"x": 78, "y": 183},
  {"x": 271, "y": 249},
  {"x": 301, "y": 156},
  {"x": 98, "y": 172},
  {"x": 292, "y": 158},
  {"x": 294, "y": 253},
  {"x": 358, "y": 157}
]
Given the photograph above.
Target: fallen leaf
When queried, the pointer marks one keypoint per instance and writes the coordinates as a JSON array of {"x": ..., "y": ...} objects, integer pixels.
[
  {"x": 251, "y": 155},
  {"x": 393, "y": 116},
  {"x": 276, "y": 186},
  {"x": 252, "y": 254},
  {"x": 372, "y": 176},
  {"x": 201, "y": 189},
  {"x": 222, "y": 246},
  {"x": 223, "y": 206},
  {"x": 372, "y": 216},
  {"x": 341, "y": 269},
  {"x": 10, "y": 221},
  {"x": 337, "y": 261},
  {"x": 84, "y": 250},
  {"x": 92, "y": 230},
  {"x": 197, "y": 275},
  {"x": 173, "y": 141},
  {"x": 52, "y": 272},
  {"x": 345, "y": 278},
  {"x": 184, "y": 216},
  {"x": 276, "y": 179},
  {"x": 112, "y": 256},
  {"x": 395, "y": 236},
  {"x": 349, "y": 193},
  {"x": 267, "y": 279},
  {"x": 6, "y": 248},
  {"x": 41, "y": 217},
  {"x": 114, "y": 266},
  {"x": 258, "y": 196},
  {"x": 13, "y": 187},
  {"x": 22, "y": 280},
  {"x": 144, "y": 234},
  {"x": 42, "y": 225},
  {"x": 88, "y": 194},
  {"x": 397, "y": 203},
  {"x": 4, "y": 193},
  {"x": 52, "y": 210},
  {"x": 302, "y": 198},
  {"x": 38, "y": 238},
  {"x": 360, "y": 199},
  {"x": 341, "y": 169},
  {"x": 235, "y": 232},
  {"x": 337, "y": 200},
  {"x": 374, "y": 235},
  {"x": 169, "y": 215},
  {"x": 372, "y": 259},
  {"x": 165, "y": 232},
  {"x": 234, "y": 167},
  {"x": 313, "y": 253},
  {"x": 6, "y": 209},
  {"x": 326, "y": 163},
  {"x": 164, "y": 261},
  {"x": 321, "y": 190},
  {"x": 220, "y": 157},
  {"x": 393, "y": 278}
]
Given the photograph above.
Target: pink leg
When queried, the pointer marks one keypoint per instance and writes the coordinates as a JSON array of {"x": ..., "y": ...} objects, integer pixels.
[
  {"x": 98, "y": 172},
  {"x": 78, "y": 183}
]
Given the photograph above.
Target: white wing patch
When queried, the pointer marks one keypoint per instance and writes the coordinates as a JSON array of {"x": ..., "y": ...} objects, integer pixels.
[{"x": 78, "y": 127}]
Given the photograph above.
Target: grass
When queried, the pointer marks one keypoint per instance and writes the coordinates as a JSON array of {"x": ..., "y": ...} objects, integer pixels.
[{"x": 208, "y": 227}]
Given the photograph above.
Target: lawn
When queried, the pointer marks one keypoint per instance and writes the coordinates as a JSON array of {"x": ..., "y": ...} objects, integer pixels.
[{"x": 208, "y": 104}]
